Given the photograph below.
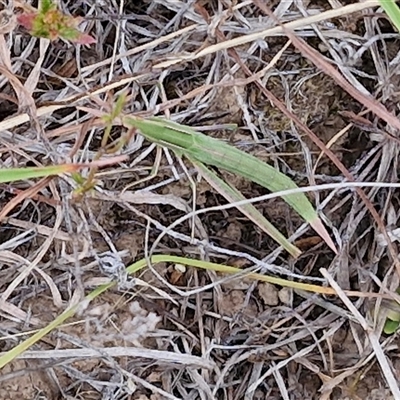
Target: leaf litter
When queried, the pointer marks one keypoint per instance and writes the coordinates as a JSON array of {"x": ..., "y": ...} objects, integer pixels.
[{"x": 240, "y": 343}]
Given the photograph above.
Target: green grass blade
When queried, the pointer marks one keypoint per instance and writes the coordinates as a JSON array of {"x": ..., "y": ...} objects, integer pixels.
[
  {"x": 233, "y": 195},
  {"x": 10, "y": 355},
  {"x": 26, "y": 344},
  {"x": 210, "y": 151},
  {"x": 18, "y": 174},
  {"x": 393, "y": 11}
]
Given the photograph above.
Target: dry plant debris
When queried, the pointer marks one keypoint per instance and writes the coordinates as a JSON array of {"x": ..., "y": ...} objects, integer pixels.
[{"x": 206, "y": 64}]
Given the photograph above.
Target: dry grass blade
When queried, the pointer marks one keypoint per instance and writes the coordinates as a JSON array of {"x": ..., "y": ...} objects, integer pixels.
[
  {"x": 228, "y": 44},
  {"x": 22, "y": 196},
  {"x": 225, "y": 311},
  {"x": 368, "y": 101},
  {"x": 374, "y": 339},
  {"x": 68, "y": 102},
  {"x": 19, "y": 349},
  {"x": 156, "y": 355}
]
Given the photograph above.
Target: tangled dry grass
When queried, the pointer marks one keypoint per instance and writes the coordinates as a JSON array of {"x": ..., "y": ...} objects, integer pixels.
[{"x": 206, "y": 64}]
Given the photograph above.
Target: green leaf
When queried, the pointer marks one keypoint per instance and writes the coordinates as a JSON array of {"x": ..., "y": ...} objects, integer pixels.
[
  {"x": 17, "y": 174},
  {"x": 233, "y": 195},
  {"x": 390, "y": 326},
  {"x": 392, "y": 317},
  {"x": 209, "y": 151},
  {"x": 393, "y": 11},
  {"x": 46, "y": 6},
  {"x": 78, "y": 178}
]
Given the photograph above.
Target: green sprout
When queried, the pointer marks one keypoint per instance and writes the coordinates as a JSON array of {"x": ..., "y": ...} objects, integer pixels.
[{"x": 50, "y": 23}]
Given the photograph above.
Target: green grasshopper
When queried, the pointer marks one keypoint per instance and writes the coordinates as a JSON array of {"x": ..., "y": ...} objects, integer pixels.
[{"x": 204, "y": 150}]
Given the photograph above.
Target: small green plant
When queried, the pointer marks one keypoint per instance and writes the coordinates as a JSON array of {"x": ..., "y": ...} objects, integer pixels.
[
  {"x": 108, "y": 146},
  {"x": 393, "y": 319},
  {"x": 50, "y": 23}
]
